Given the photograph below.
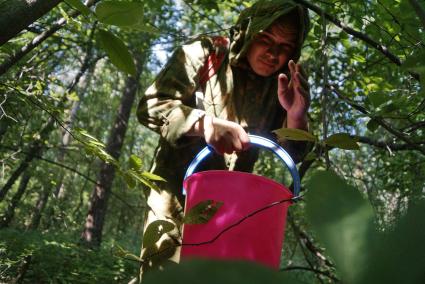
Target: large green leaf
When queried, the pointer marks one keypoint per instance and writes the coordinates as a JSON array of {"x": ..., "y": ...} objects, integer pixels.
[
  {"x": 77, "y": 4},
  {"x": 117, "y": 52},
  {"x": 342, "y": 220},
  {"x": 343, "y": 141},
  {"x": 155, "y": 230},
  {"x": 399, "y": 255},
  {"x": 202, "y": 212},
  {"x": 119, "y": 13},
  {"x": 295, "y": 134},
  {"x": 218, "y": 272}
]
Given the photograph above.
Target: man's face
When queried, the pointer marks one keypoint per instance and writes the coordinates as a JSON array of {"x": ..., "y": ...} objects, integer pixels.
[{"x": 271, "y": 50}]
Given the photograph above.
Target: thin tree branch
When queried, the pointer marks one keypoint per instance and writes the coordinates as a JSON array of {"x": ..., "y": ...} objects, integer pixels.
[
  {"x": 420, "y": 11},
  {"x": 383, "y": 49},
  {"x": 200, "y": 14},
  {"x": 12, "y": 60},
  {"x": 357, "y": 34},
  {"x": 379, "y": 120},
  {"x": 86, "y": 177},
  {"x": 317, "y": 271},
  {"x": 386, "y": 145}
]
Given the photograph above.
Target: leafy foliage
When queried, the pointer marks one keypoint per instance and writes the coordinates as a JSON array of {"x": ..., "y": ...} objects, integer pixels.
[{"x": 56, "y": 258}]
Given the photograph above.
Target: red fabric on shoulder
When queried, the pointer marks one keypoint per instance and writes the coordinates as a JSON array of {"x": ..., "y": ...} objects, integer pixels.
[{"x": 214, "y": 60}]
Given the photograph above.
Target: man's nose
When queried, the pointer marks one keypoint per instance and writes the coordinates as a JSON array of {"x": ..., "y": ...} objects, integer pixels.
[{"x": 273, "y": 51}]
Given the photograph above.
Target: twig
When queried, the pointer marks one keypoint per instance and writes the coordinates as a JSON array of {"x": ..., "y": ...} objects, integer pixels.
[
  {"x": 379, "y": 120},
  {"x": 324, "y": 95},
  {"x": 12, "y": 60},
  {"x": 86, "y": 177},
  {"x": 317, "y": 271},
  {"x": 383, "y": 49},
  {"x": 385, "y": 144}
]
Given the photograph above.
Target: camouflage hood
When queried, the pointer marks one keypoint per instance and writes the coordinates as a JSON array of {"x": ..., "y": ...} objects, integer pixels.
[{"x": 257, "y": 19}]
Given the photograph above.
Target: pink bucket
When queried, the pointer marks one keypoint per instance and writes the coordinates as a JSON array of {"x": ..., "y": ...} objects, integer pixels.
[{"x": 246, "y": 226}]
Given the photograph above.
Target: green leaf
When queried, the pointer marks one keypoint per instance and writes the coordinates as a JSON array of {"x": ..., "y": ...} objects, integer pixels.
[
  {"x": 145, "y": 181},
  {"x": 310, "y": 156},
  {"x": 119, "y": 13},
  {"x": 342, "y": 141},
  {"x": 146, "y": 28},
  {"x": 117, "y": 52},
  {"x": 295, "y": 134},
  {"x": 129, "y": 180},
  {"x": 398, "y": 256},
  {"x": 118, "y": 251},
  {"x": 342, "y": 220},
  {"x": 202, "y": 212},
  {"x": 377, "y": 98},
  {"x": 78, "y": 5},
  {"x": 222, "y": 272},
  {"x": 417, "y": 59},
  {"x": 372, "y": 125},
  {"x": 135, "y": 163},
  {"x": 155, "y": 230},
  {"x": 152, "y": 176}
]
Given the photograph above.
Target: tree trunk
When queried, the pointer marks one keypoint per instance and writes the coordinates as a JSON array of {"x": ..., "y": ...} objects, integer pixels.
[
  {"x": 10, "y": 212},
  {"x": 35, "y": 150},
  {"x": 92, "y": 233},
  {"x": 38, "y": 210},
  {"x": 16, "y": 15}
]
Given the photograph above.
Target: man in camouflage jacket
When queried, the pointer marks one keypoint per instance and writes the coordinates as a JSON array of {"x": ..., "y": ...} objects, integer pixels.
[{"x": 257, "y": 87}]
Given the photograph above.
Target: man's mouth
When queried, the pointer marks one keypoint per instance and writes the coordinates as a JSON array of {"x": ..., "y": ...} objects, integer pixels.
[{"x": 268, "y": 63}]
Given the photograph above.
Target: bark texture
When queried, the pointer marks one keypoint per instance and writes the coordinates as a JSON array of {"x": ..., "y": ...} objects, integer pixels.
[
  {"x": 92, "y": 232},
  {"x": 16, "y": 15}
]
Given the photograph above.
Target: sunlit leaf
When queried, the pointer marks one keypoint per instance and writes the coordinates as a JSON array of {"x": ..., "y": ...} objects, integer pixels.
[
  {"x": 343, "y": 141},
  {"x": 202, "y": 212},
  {"x": 295, "y": 134},
  {"x": 78, "y": 5},
  {"x": 152, "y": 176},
  {"x": 135, "y": 162},
  {"x": 119, "y": 13},
  {"x": 155, "y": 230},
  {"x": 117, "y": 52}
]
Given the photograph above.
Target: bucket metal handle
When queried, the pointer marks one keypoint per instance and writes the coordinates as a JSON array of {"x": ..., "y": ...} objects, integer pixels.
[{"x": 258, "y": 141}]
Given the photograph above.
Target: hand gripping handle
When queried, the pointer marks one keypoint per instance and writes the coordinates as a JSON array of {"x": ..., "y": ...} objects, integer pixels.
[{"x": 258, "y": 141}]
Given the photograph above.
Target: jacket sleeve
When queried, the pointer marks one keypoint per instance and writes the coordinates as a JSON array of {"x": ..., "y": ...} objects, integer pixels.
[{"x": 168, "y": 104}]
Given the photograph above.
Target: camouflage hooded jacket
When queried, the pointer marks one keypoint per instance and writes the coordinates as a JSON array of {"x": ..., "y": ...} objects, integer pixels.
[{"x": 172, "y": 105}]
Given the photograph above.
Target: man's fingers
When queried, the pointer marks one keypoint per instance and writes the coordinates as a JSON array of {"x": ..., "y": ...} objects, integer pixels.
[
  {"x": 302, "y": 81},
  {"x": 283, "y": 82},
  {"x": 292, "y": 67},
  {"x": 244, "y": 139},
  {"x": 300, "y": 69}
]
